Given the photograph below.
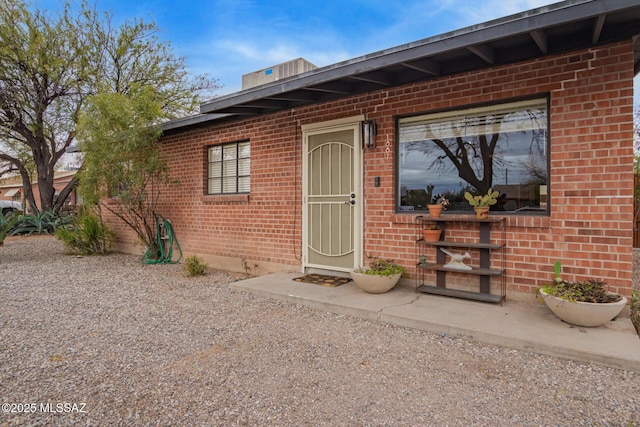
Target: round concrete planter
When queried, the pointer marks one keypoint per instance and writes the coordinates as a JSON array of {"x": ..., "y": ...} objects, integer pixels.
[
  {"x": 583, "y": 313},
  {"x": 374, "y": 284}
]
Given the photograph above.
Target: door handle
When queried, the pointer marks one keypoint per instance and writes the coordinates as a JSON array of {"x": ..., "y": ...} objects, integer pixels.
[{"x": 350, "y": 202}]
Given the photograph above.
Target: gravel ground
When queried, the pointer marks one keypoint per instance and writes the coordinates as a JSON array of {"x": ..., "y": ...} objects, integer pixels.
[{"x": 100, "y": 341}]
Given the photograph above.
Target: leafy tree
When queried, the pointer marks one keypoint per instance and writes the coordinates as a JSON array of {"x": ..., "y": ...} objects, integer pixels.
[
  {"x": 123, "y": 168},
  {"x": 50, "y": 65}
]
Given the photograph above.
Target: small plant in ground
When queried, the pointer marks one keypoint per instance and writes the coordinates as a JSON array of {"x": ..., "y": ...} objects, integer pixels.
[
  {"x": 384, "y": 267},
  {"x": 86, "y": 235},
  {"x": 195, "y": 266},
  {"x": 249, "y": 268}
]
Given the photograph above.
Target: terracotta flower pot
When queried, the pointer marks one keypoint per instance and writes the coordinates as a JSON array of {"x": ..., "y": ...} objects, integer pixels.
[
  {"x": 482, "y": 212},
  {"x": 435, "y": 210},
  {"x": 431, "y": 235}
]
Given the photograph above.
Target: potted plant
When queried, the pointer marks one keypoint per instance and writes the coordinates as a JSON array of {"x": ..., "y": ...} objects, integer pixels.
[
  {"x": 432, "y": 233},
  {"x": 481, "y": 203},
  {"x": 381, "y": 276},
  {"x": 438, "y": 204},
  {"x": 581, "y": 303}
]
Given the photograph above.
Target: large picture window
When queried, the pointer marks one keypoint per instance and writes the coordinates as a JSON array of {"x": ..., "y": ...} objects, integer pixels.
[
  {"x": 504, "y": 147},
  {"x": 228, "y": 168}
]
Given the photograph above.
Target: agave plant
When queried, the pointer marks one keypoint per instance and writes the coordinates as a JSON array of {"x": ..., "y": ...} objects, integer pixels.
[
  {"x": 42, "y": 223},
  {"x": 6, "y": 223}
]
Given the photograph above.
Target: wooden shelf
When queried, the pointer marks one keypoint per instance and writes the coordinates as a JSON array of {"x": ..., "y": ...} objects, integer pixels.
[
  {"x": 476, "y": 296},
  {"x": 481, "y": 245},
  {"x": 458, "y": 218},
  {"x": 460, "y": 245},
  {"x": 478, "y": 271}
]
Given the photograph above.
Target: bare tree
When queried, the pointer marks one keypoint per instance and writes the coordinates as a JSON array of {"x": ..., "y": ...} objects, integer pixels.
[{"x": 49, "y": 67}]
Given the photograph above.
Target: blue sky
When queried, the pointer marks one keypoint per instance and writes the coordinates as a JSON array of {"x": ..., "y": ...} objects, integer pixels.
[{"x": 227, "y": 39}]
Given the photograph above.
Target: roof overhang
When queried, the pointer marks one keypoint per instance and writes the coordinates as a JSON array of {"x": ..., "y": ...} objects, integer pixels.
[
  {"x": 560, "y": 27},
  {"x": 191, "y": 121}
]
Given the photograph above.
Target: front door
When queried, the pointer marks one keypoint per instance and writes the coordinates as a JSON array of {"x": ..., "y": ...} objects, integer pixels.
[{"x": 332, "y": 198}]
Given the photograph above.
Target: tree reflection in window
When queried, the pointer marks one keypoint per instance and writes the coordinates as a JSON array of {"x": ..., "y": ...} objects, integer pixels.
[{"x": 502, "y": 146}]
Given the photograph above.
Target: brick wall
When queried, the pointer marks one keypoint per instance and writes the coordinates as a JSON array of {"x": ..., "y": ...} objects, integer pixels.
[{"x": 591, "y": 184}]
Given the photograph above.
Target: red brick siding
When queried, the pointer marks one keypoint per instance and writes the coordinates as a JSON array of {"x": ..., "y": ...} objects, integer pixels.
[{"x": 591, "y": 184}]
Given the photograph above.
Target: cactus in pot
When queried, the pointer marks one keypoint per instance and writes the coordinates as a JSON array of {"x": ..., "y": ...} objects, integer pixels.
[{"x": 482, "y": 202}]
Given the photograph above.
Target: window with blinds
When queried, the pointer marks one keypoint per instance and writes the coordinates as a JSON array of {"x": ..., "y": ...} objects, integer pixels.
[
  {"x": 503, "y": 146},
  {"x": 228, "y": 168}
]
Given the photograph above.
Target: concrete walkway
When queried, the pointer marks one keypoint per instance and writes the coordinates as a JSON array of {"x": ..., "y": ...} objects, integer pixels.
[{"x": 521, "y": 326}]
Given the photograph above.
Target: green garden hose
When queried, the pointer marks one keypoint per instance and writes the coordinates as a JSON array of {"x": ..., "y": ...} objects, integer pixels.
[{"x": 161, "y": 251}]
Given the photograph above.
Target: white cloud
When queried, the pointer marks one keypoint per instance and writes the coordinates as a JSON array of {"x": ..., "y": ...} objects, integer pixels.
[
  {"x": 419, "y": 19},
  {"x": 257, "y": 43},
  {"x": 474, "y": 12}
]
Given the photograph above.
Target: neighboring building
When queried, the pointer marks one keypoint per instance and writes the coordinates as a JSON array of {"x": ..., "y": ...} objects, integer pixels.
[
  {"x": 286, "y": 177},
  {"x": 277, "y": 72},
  {"x": 11, "y": 189}
]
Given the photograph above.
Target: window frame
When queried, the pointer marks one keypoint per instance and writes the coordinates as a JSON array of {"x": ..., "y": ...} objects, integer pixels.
[
  {"x": 222, "y": 177},
  {"x": 546, "y": 97}
]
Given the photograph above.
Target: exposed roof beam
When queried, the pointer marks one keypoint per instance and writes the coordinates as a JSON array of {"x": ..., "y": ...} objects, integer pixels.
[
  {"x": 190, "y": 121},
  {"x": 377, "y": 77},
  {"x": 484, "y": 52},
  {"x": 425, "y": 65},
  {"x": 267, "y": 104},
  {"x": 597, "y": 28},
  {"x": 540, "y": 38},
  {"x": 333, "y": 87},
  {"x": 243, "y": 110},
  {"x": 298, "y": 96}
]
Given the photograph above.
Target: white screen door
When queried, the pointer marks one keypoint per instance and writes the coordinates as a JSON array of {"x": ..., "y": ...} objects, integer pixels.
[{"x": 332, "y": 199}]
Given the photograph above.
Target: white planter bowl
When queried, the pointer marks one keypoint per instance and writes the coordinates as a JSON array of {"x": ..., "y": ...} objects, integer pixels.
[
  {"x": 583, "y": 313},
  {"x": 374, "y": 284}
]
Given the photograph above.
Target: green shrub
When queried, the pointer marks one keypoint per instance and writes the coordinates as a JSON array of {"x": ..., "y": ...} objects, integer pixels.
[
  {"x": 86, "y": 235},
  {"x": 195, "y": 266}
]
